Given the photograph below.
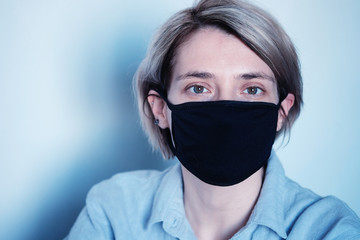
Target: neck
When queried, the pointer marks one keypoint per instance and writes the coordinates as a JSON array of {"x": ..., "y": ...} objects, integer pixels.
[{"x": 219, "y": 212}]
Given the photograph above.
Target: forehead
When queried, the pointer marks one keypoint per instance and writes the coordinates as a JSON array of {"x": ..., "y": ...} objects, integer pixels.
[{"x": 213, "y": 50}]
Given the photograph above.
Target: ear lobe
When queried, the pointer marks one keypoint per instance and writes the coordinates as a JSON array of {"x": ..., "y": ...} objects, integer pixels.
[
  {"x": 158, "y": 107},
  {"x": 286, "y": 105}
]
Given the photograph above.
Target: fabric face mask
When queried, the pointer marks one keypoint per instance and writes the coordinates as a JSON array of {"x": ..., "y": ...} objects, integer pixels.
[{"x": 223, "y": 142}]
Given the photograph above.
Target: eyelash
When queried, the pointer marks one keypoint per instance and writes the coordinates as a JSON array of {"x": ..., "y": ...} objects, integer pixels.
[
  {"x": 256, "y": 90},
  {"x": 194, "y": 86},
  {"x": 192, "y": 89}
]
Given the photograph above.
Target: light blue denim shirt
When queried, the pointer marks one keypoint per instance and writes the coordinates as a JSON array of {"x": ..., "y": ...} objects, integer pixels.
[{"x": 149, "y": 205}]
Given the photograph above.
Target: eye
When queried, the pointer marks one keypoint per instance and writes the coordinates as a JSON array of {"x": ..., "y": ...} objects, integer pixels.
[
  {"x": 198, "y": 89},
  {"x": 253, "y": 90}
]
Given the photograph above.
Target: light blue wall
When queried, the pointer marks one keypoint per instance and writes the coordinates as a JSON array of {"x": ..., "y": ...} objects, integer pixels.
[{"x": 67, "y": 117}]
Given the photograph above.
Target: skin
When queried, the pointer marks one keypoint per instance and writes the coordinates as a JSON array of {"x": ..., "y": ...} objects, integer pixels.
[{"x": 213, "y": 65}]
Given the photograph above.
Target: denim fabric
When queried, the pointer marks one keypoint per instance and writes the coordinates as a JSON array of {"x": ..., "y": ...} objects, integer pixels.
[{"x": 149, "y": 205}]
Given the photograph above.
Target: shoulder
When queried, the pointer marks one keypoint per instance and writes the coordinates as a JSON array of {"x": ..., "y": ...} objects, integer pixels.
[
  {"x": 122, "y": 183},
  {"x": 135, "y": 186},
  {"x": 314, "y": 217},
  {"x": 120, "y": 207},
  {"x": 126, "y": 199}
]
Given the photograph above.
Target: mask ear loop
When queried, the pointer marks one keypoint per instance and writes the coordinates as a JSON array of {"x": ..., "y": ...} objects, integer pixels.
[
  {"x": 163, "y": 95},
  {"x": 168, "y": 137},
  {"x": 170, "y": 141}
]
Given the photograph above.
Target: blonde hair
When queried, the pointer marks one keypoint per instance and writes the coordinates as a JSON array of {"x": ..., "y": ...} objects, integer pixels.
[{"x": 255, "y": 27}]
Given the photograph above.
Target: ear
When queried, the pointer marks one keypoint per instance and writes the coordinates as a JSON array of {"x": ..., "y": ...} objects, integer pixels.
[
  {"x": 286, "y": 105},
  {"x": 158, "y": 107}
]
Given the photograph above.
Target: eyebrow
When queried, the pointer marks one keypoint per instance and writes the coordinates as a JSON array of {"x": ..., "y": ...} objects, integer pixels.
[
  {"x": 207, "y": 75},
  {"x": 195, "y": 74},
  {"x": 249, "y": 76}
]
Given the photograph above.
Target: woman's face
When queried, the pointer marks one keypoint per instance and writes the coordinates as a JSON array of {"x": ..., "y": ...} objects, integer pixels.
[{"x": 213, "y": 65}]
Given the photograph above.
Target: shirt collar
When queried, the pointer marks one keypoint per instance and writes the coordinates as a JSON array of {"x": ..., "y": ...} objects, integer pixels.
[
  {"x": 168, "y": 201},
  {"x": 269, "y": 210}
]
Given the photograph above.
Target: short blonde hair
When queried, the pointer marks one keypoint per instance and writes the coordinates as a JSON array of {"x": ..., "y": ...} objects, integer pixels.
[{"x": 255, "y": 27}]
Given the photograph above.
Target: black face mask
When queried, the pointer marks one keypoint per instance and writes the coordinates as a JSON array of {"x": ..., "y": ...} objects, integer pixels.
[{"x": 223, "y": 142}]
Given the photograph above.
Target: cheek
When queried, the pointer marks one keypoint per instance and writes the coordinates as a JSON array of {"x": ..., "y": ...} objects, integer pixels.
[
  {"x": 176, "y": 92},
  {"x": 275, "y": 96}
]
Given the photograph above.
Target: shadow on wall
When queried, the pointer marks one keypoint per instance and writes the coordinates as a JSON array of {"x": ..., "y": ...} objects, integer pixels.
[{"x": 119, "y": 146}]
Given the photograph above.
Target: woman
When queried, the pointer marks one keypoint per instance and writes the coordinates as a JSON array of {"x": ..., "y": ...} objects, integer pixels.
[{"x": 219, "y": 83}]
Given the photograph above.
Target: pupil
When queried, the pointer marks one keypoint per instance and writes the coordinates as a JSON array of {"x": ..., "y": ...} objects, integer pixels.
[
  {"x": 253, "y": 90},
  {"x": 198, "y": 89}
]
